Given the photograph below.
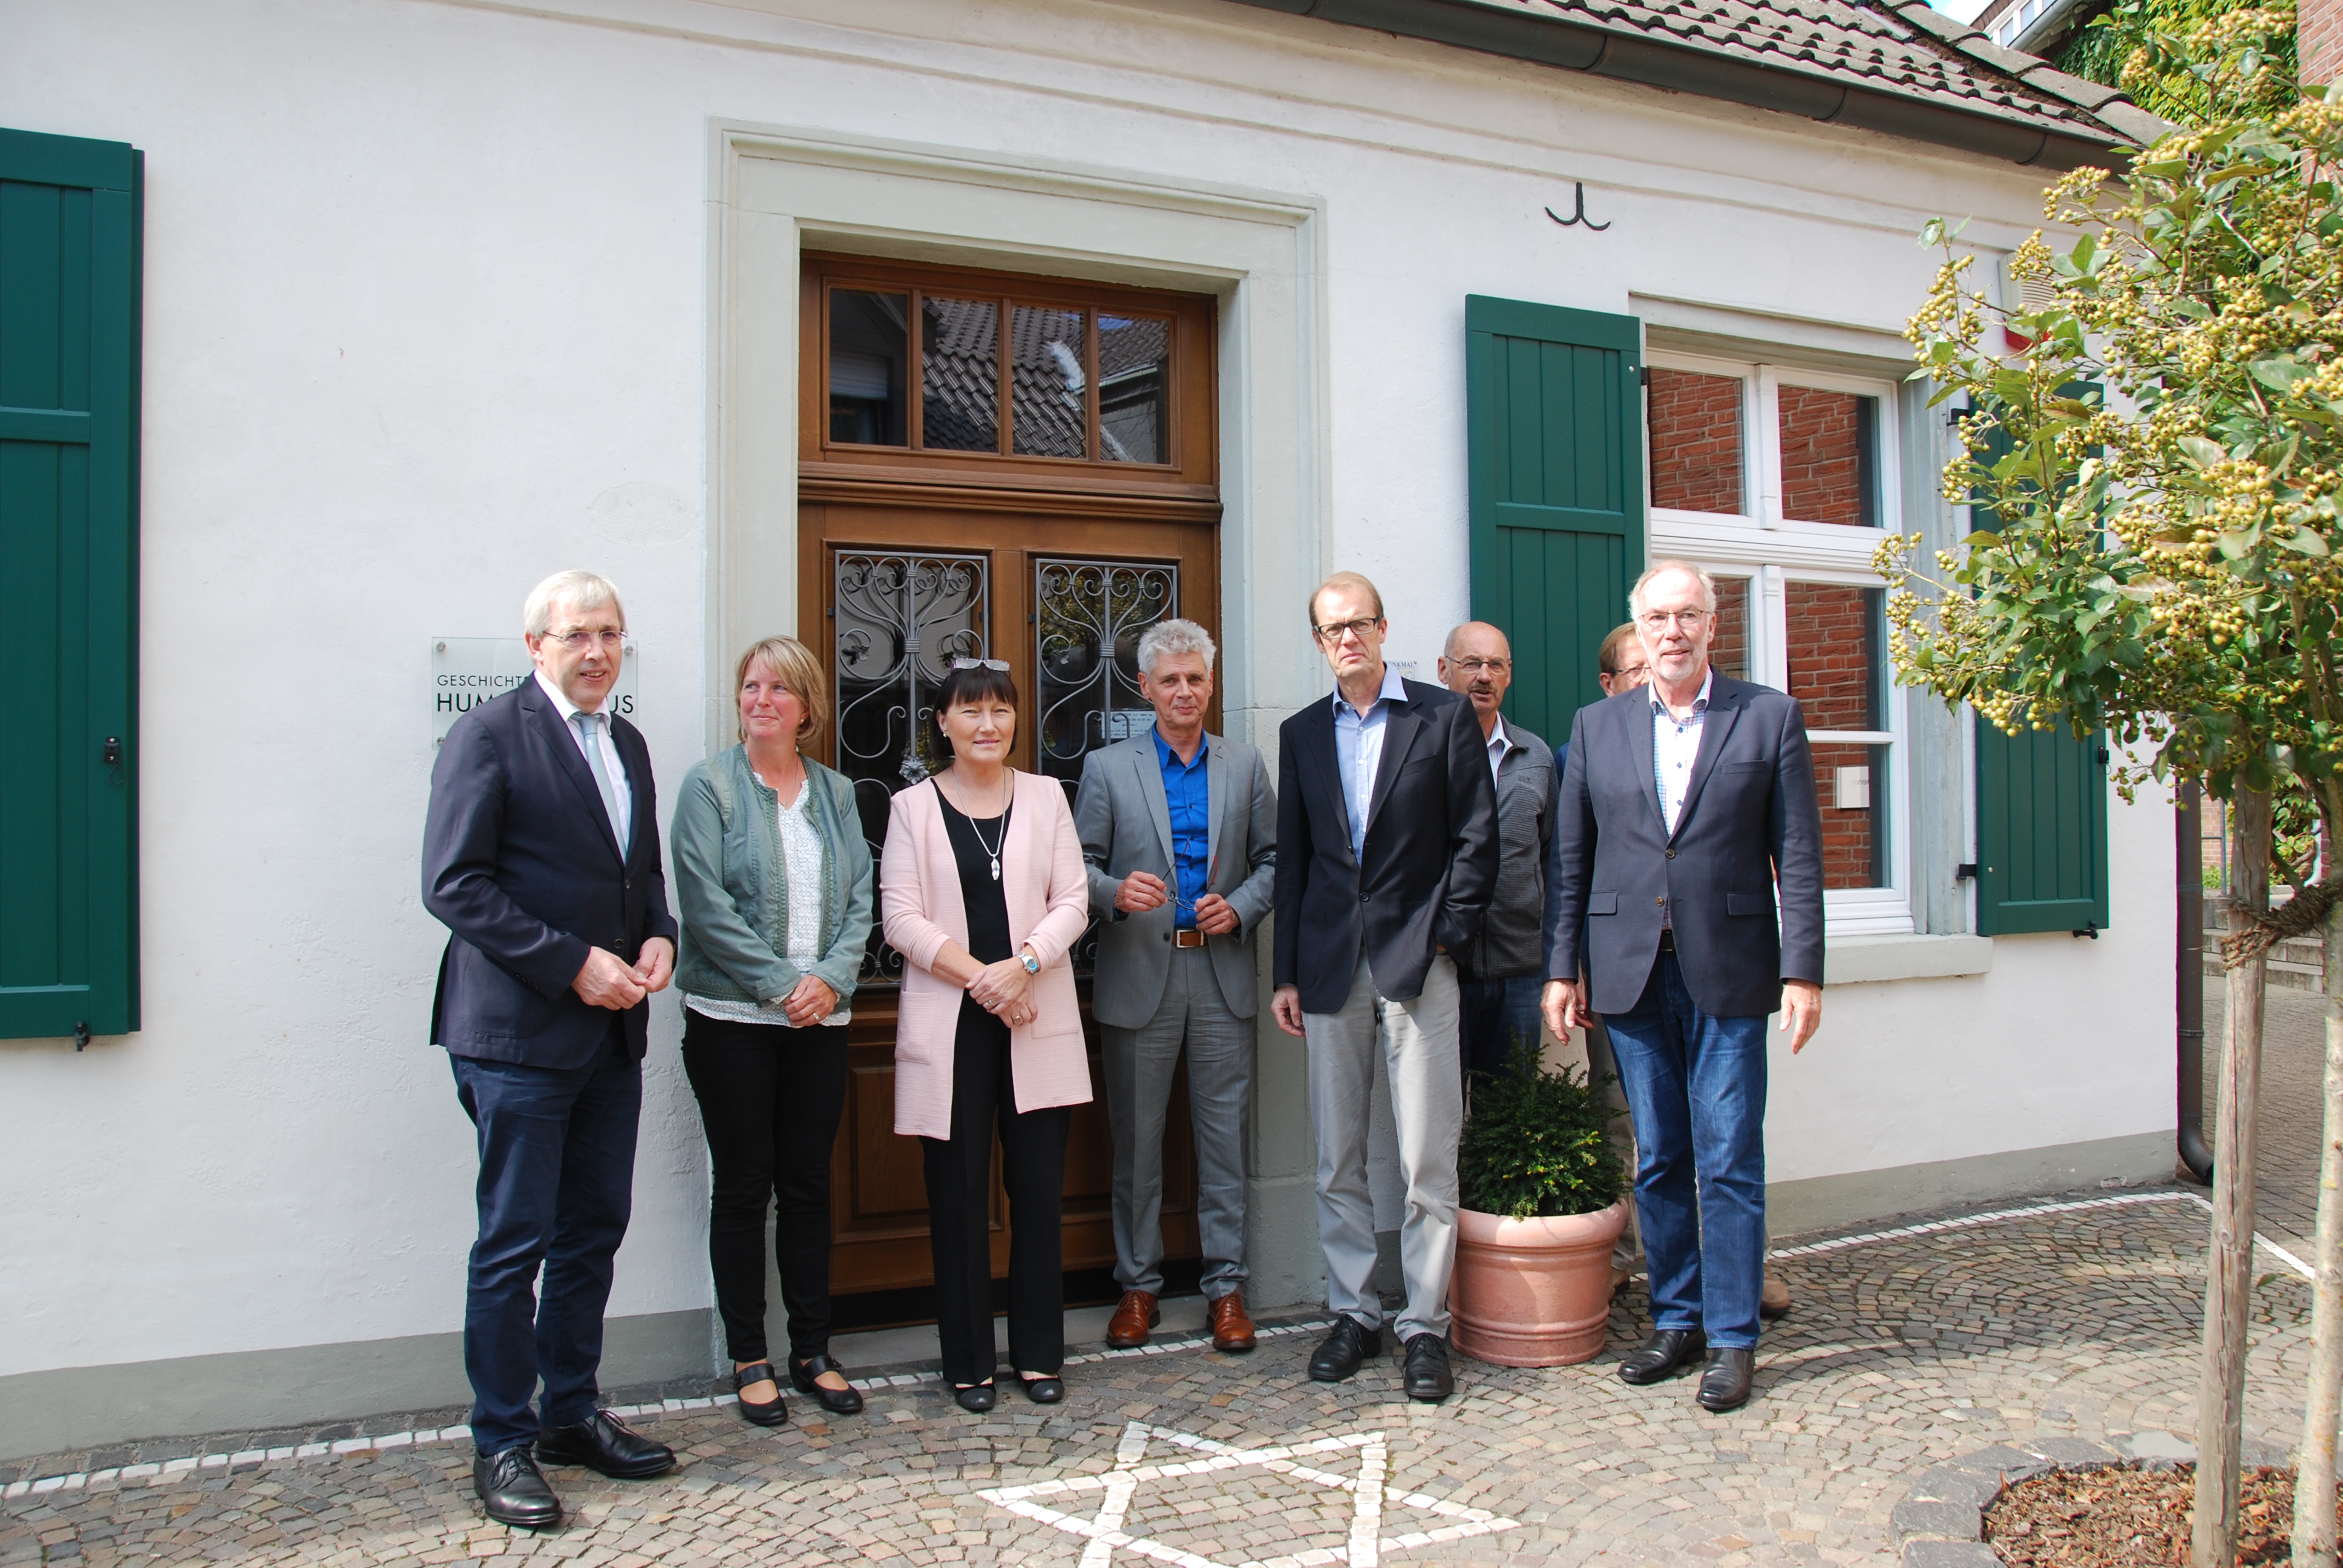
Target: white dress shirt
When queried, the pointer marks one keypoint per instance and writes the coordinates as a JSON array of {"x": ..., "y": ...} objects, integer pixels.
[
  {"x": 1359, "y": 752},
  {"x": 599, "y": 723},
  {"x": 1675, "y": 746},
  {"x": 1498, "y": 745}
]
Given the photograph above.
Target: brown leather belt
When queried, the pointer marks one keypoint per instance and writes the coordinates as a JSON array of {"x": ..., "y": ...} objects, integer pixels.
[{"x": 1187, "y": 938}]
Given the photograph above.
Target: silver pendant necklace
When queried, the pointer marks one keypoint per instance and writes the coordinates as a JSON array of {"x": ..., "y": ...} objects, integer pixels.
[{"x": 992, "y": 850}]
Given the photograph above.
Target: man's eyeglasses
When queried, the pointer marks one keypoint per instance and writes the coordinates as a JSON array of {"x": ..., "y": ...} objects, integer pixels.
[
  {"x": 1656, "y": 618},
  {"x": 1000, "y": 664},
  {"x": 1335, "y": 631},
  {"x": 1475, "y": 666},
  {"x": 579, "y": 641}
]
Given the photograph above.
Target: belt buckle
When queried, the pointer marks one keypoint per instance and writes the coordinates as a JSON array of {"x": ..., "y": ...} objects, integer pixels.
[{"x": 1187, "y": 937}]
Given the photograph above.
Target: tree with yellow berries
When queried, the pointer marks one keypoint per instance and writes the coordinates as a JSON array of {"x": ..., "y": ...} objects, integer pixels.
[{"x": 2161, "y": 445}]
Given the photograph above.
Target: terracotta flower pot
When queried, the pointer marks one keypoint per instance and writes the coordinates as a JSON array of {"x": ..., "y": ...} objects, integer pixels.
[{"x": 1534, "y": 1293}]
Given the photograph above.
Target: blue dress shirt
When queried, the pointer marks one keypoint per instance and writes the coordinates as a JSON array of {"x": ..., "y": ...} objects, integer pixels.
[
  {"x": 1187, "y": 790},
  {"x": 1359, "y": 753}
]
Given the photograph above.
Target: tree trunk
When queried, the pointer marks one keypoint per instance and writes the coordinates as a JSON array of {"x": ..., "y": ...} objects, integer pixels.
[
  {"x": 2314, "y": 1487},
  {"x": 2229, "y": 1267}
]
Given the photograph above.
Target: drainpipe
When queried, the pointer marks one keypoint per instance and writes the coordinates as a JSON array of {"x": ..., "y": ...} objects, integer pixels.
[{"x": 2188, "y": 979}]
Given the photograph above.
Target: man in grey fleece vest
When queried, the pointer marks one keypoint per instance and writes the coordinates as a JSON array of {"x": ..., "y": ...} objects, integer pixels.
[{"x": 1501, "y": 973}]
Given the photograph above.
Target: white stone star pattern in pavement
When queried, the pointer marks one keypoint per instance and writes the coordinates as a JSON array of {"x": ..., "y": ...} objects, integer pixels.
[{"x": 1364, "y": 1548}]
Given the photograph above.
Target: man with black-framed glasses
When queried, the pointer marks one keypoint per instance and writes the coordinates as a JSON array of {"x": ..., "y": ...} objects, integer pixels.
[{"x": 1387, "y": 851}]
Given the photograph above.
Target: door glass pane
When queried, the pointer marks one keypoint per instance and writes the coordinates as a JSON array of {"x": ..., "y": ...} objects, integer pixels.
[
  {"x": 900, "y": 620},
  {"x": 1088, "y": 617},
  {"x": 1835, "y": 639},
  {"x": 1134, "y": 363},
  {"x": 867, "y": 352},
  {"x": 1829, "y": 466},
  {"x": 1047, "y": 388},
  {"x": 1696, "y": 440},
  {"x": 960, "y": 375},
  {"x": 1729, "y": 654}
]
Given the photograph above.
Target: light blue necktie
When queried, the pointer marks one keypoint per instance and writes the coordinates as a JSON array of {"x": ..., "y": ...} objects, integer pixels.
[{"x": 586, "y": 726}]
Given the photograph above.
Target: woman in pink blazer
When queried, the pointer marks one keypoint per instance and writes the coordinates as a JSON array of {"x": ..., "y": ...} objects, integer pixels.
[{"x": 983, "y": 892}]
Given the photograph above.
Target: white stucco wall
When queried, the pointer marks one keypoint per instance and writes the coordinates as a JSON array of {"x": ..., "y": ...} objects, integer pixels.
[{"x": 428, "y": 316}]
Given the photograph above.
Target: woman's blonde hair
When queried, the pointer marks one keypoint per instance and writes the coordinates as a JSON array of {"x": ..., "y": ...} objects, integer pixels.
[{"x": 801, "y": 674}]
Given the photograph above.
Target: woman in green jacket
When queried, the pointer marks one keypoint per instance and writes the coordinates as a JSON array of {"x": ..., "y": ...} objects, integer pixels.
[{"x": 773, "y": 882}]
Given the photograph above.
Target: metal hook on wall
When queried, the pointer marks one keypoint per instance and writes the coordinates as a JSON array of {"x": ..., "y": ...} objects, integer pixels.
[{"x": 1580, "y": 215}]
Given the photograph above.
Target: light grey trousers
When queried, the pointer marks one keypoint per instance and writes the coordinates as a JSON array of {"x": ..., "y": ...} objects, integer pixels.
[
  {"x": 1139, "y": 1065},
  {"x": 1417, "y": 1041}
]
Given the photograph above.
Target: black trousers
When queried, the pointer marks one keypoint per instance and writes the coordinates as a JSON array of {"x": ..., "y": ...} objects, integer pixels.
[
  {"x": 769, "y": 1097},
  {"x": 959, "y": 1233}
]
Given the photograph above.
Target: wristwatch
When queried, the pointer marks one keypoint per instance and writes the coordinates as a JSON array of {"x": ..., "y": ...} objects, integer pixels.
[{"x": 1032, "y": 964}]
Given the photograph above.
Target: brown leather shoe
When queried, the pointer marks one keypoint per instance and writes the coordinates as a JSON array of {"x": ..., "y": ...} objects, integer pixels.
[
  {"x": 1133, "y": 1316},
  {"x": 1232, "y": 1330},
  {"x": 1774, "y": 1300}
]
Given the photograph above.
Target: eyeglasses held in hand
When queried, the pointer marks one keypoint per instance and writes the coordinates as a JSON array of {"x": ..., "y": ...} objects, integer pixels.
[
  {"x": 577, "y": 641},
  {"x": 1000, "y": 664},
  {"x": 1335, "y": 631}
]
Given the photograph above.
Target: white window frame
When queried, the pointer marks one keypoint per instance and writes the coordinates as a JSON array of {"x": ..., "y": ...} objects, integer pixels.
[{"x": 1760, "y": 545}]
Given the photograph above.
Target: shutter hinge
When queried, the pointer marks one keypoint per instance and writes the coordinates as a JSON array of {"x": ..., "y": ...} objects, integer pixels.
[
  {"x": 80, "y": 1034},
  {"x": 112, "y": 755},
  {"x": 2103, "y": 756},
  {"x": 1966, "y": 871},
  {"x": 1643, "y": 374},
  {"x": 2091, "y": 930}
]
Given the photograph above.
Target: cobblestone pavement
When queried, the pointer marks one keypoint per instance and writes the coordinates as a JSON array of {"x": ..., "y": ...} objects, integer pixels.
[
  {"x": 2294, "y": 1057},
  {"x": 2079, "y": 1319}
]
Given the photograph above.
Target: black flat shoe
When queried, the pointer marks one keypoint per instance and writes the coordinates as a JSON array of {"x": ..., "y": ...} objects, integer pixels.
[
  {"x": 514, "y": 1490},
  {"x": 1427, "y": 1376},
  {"x": 1348, "y": 1343},
  {"x": 847, "y": 1401},
  {"x": 774, "y": 1411},
  {"x": 1725, "y": 1382},
  {"x": 978, "y": 1397},
  {"x": 1664, "y": 1354},
  {"x": 1044, "y": 1389},
  {"x": 602, "y": 1442}
]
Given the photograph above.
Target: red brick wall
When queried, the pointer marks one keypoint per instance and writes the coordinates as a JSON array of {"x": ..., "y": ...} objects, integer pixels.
[
  {"x": 1729, "y": 653},
  {"x": 2319, "y": 39},
  {"x": 1822, "y": 461},
  {"x": 1695, "y": 435},
  {"x": 1831, "y": 661}
]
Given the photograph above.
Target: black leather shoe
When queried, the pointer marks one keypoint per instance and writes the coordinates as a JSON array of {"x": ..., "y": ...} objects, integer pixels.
[
  {"x": 1428, "y": 1377},
  {"x": 1725, "y": 1382},
  {"x": 978, "y": 1397},
  {"x": 845, "y": 1401},
  {"x": 774, "y": 1411},
  {"x": 514, "y": 1490},
  {"x": 1664, "y": 1354},
  {"x": 601, "y": 1442},
  {"x": 1341, "y": 1352},
  {"x": 1044, "y": 1389}
]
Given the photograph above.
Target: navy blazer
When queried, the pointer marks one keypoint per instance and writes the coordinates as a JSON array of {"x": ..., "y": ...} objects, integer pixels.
[
  {"x": 520, "y": 865},
  {"x": 1750, "y": 822},
  {"x": 1431, "y": 859}
]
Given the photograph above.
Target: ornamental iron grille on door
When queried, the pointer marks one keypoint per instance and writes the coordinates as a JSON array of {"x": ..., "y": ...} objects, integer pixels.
[
  {"x": 902, "y": 619},
  {"x": 1088, "y": 617}
]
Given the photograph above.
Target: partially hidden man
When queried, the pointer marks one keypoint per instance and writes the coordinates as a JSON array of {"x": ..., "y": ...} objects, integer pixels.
[
  {"x": 541, "y": 856},
  {"x": 1387, "y": 851},
  {"x": 1686, "y": 803},
  {"x": 1179, "y": 828}
]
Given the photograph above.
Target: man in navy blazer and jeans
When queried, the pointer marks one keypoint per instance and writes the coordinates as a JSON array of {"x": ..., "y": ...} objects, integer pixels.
[
  {"x": 541, "y": 856},
  {"x": 1685, "y": 805}
]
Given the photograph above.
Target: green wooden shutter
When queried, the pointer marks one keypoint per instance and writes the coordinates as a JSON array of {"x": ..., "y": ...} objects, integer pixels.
[
  {"x": 69, "y": 296},
  {"x": 1554, "y": 406},
  {"x": 2042, "y": 818}
]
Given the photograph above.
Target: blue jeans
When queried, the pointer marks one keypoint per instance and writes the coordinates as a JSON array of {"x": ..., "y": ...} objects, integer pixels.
[
  {"x": 555, "y": 1188},
  {"x": 1697, "y": 1093},
  {"x": 1495, "y": 1016}
]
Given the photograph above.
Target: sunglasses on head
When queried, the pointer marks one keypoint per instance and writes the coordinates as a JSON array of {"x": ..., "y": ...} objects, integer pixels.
[{"x": 1000, "y": 664}]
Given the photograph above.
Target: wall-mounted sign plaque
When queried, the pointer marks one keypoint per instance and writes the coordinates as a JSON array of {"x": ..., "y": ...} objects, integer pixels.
[{"x": 467, "y": 671}]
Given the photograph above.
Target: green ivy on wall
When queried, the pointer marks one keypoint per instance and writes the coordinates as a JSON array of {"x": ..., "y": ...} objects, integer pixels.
[{"x": 2132, "y": 46}]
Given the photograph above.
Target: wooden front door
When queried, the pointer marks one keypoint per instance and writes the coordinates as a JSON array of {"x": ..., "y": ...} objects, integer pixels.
[{"x": 1039, "y": 493}]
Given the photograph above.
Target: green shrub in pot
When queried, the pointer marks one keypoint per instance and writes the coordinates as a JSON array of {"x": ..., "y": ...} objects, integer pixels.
[{"x": 1538, "y": 1143}]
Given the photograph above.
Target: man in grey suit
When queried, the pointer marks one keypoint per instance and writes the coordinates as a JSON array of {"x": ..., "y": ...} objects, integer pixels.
[
  {"x": 1180, "y": 831},
  {"x": 1686, "y": 805}
]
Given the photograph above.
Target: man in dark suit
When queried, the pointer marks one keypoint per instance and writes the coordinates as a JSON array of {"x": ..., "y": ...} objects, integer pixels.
[
  {"x": 541, "y": 856},
  {"x": 1686, "y": 804},
  {"x": 1387, "y": 853}
]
